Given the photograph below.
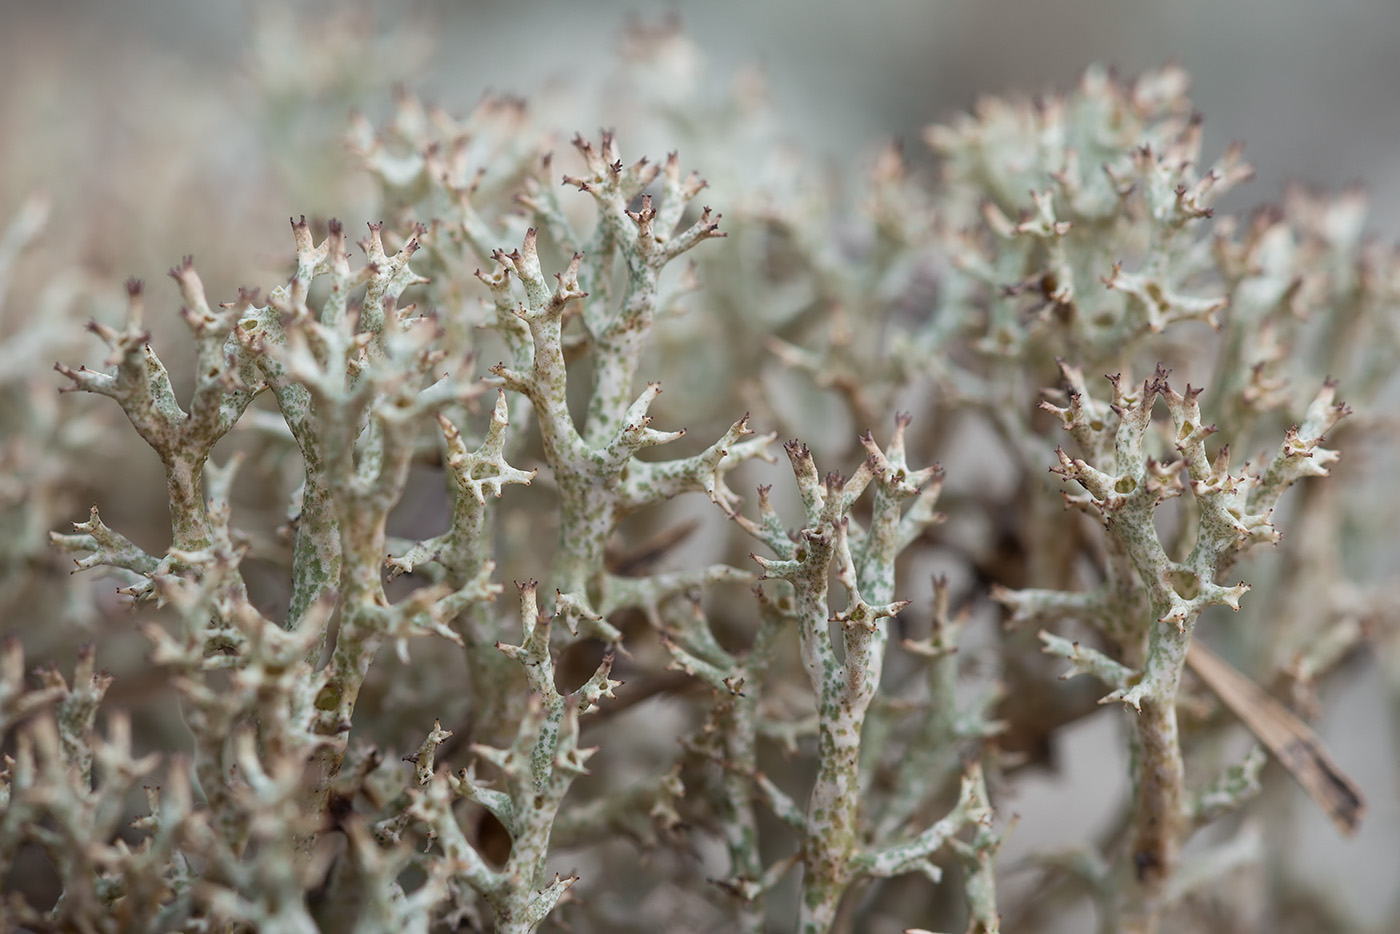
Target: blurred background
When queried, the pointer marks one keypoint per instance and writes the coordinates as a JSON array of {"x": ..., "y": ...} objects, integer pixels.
[
  {"x": 89, "y": 87},
  {"x": 159, "y": 128}
]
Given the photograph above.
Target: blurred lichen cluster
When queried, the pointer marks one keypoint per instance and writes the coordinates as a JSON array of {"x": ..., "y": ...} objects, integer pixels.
[{"x": 451, "y": 625}]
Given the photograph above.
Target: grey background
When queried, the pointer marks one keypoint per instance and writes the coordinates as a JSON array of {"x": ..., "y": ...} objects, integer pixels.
[{"x": 1314, "y": 89}]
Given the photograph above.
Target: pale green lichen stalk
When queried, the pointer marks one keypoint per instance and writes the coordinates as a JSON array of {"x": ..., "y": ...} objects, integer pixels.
[{"x": 1149, "y": 604}]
